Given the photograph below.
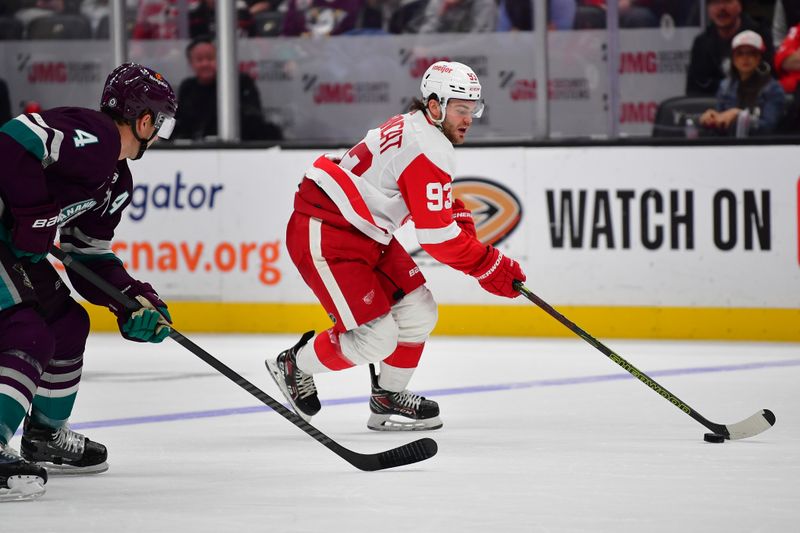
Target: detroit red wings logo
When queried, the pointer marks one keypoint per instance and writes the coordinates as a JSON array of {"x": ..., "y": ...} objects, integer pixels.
[
  {"x": 495, "y": 209},
  {"x": 369, "y": 297}
]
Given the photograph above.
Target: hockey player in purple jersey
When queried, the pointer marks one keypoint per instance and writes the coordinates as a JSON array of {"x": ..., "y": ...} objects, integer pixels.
[{"x": 66, "y": 168}]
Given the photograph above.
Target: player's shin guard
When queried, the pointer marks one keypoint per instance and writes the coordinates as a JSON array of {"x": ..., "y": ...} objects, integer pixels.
[
  {"x": 397, "y": 369},
  {"x": 417, "y": 412},
  {"x": 61, "y": 450},
  {"x": 58, "y": 386},
  {"x": 19, "y": 479},
  {"x": 26, "y": 347}
]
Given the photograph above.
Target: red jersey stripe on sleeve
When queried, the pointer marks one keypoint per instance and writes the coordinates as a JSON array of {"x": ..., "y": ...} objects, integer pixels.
[{"x": 463, "y": 253}]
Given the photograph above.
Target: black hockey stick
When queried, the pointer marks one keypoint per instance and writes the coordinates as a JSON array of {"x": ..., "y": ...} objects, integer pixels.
[
  {"x": 749, "y": 427},
  {"x": 413, "y": 452}
]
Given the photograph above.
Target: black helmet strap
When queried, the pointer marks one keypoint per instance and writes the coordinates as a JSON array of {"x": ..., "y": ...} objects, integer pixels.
[{"x": 143, "y": 143}]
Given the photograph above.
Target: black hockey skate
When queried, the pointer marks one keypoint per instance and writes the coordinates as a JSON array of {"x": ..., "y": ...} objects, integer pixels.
[
  {"x": 62, "y": 451},
  {"x": 422, "y": 414},
  {"x": 19, "y": 479},
  {"x": 297, "y": 386}
]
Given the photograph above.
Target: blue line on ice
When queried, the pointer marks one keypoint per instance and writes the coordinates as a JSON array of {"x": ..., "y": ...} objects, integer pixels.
[{"x": 558, "y": 382}]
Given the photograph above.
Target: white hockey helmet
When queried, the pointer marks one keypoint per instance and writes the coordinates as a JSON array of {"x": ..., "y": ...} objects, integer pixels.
[{"x": 450, "y": 79}]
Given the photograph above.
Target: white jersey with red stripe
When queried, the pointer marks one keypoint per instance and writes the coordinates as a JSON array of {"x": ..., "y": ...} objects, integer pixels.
[{"x": 401, "y": 170}]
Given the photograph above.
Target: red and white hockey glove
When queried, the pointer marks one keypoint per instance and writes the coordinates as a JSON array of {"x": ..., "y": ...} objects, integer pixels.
[
  {"x": 497, "y": 273},
  {"x": 463, "y": 218}
]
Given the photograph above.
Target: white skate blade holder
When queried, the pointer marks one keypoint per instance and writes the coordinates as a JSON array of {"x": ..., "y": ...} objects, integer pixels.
[
  {"x": 22, "y": 488},
  {"x": 69, "y": 470},
  {"x": 380, "y": 422}
]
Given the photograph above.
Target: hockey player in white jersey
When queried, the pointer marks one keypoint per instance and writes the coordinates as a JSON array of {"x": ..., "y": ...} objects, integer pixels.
[{"x": 340, "y": 237}]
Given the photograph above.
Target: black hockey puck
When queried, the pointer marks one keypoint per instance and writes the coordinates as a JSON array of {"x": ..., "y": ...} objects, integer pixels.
[{"x": 713, "y": 437}]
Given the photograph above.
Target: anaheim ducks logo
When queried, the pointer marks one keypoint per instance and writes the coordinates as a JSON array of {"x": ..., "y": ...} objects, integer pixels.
[{"x": 495, "y": 209}]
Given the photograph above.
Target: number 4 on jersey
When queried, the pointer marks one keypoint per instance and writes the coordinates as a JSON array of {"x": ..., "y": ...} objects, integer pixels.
[{"x": 82, "y": 138}]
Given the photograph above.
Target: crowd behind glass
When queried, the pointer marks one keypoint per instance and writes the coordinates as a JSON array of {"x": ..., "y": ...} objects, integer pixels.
[{"x": 741, "y": 79}]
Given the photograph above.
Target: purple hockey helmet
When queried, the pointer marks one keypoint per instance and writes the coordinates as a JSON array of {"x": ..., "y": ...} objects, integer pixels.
[{"x": 132, "y": 89}]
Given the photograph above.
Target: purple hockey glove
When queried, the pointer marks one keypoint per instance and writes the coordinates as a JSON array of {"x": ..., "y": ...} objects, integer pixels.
[{"x": 34, "y": 230}]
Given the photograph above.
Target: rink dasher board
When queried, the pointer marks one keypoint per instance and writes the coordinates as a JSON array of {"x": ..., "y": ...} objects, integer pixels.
[{"x": 670, "y": 242}]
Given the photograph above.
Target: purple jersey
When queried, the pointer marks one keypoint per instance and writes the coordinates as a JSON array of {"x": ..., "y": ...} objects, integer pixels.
[{"x": 70, "y": 156}]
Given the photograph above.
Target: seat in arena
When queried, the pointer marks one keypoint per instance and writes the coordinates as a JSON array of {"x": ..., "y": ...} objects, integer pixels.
[{"x": 60, "y": 26}]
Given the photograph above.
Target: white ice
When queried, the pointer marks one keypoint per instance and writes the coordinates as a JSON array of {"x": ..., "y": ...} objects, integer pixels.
[{"x": 553, "y": 453}]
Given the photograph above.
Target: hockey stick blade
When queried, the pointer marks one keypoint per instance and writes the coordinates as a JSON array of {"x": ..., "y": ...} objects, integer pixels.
[
  {"x": 749, "y": 427},
  {"x": 413, "y": 452},
  {"x": 410, "y": 453}
]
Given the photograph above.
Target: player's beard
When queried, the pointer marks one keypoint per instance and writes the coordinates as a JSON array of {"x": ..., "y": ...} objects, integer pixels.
[{"x": 451, "y": 132}]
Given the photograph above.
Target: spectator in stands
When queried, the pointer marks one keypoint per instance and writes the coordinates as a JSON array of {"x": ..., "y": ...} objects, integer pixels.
[
  {"x": 97, "y": 10},
  {"x": 407, "y": 16},
  {"x": 561, "y": 14},
  {"x": 785, "y": 15},
  {"x": 711, "y": 50},
  {"x": 319, "y": 18},
  {"x": 382, "y": 17},
  {"x": 787, "y": 60},
  {"x": 5, "y": 103},
  {"x": 459, "y": 16},
  {"x": 632, "y": 13},
  {"x": 197, "y": 113},
  {"x": 372, "y": 18},
  {"x": 257, "y": 6},
  {"x": 682, "y": 12},
  {"x": 787, "y": 66},
  {"x": 202, "y": 19},
  {"x": 156, "y": 19},
  {"x": 749, "y": 101},
  {"x": 516, "y": 15},
  {"x": 33, "y": 9}
]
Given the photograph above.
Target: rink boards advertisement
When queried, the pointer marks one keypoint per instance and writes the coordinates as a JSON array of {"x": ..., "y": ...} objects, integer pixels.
[{"x": 672, "y": 242}]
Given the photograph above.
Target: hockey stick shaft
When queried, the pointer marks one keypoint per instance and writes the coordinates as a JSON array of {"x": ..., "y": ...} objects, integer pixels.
[
  {"x": 412, "y": 452},
  {"x": 635, "y": 372}
]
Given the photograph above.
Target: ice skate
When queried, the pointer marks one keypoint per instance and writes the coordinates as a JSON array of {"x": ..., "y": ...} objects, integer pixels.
[
  {"x": 418, "y": 414},
  {"x": 297, "y": 386},
  {"x": 62, "y": 451},
  {"x": 19, "y": 479}
]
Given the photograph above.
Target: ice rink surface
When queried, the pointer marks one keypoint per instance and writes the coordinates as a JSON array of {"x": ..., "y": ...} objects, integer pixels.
[{"x": 539, "y": 436}]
